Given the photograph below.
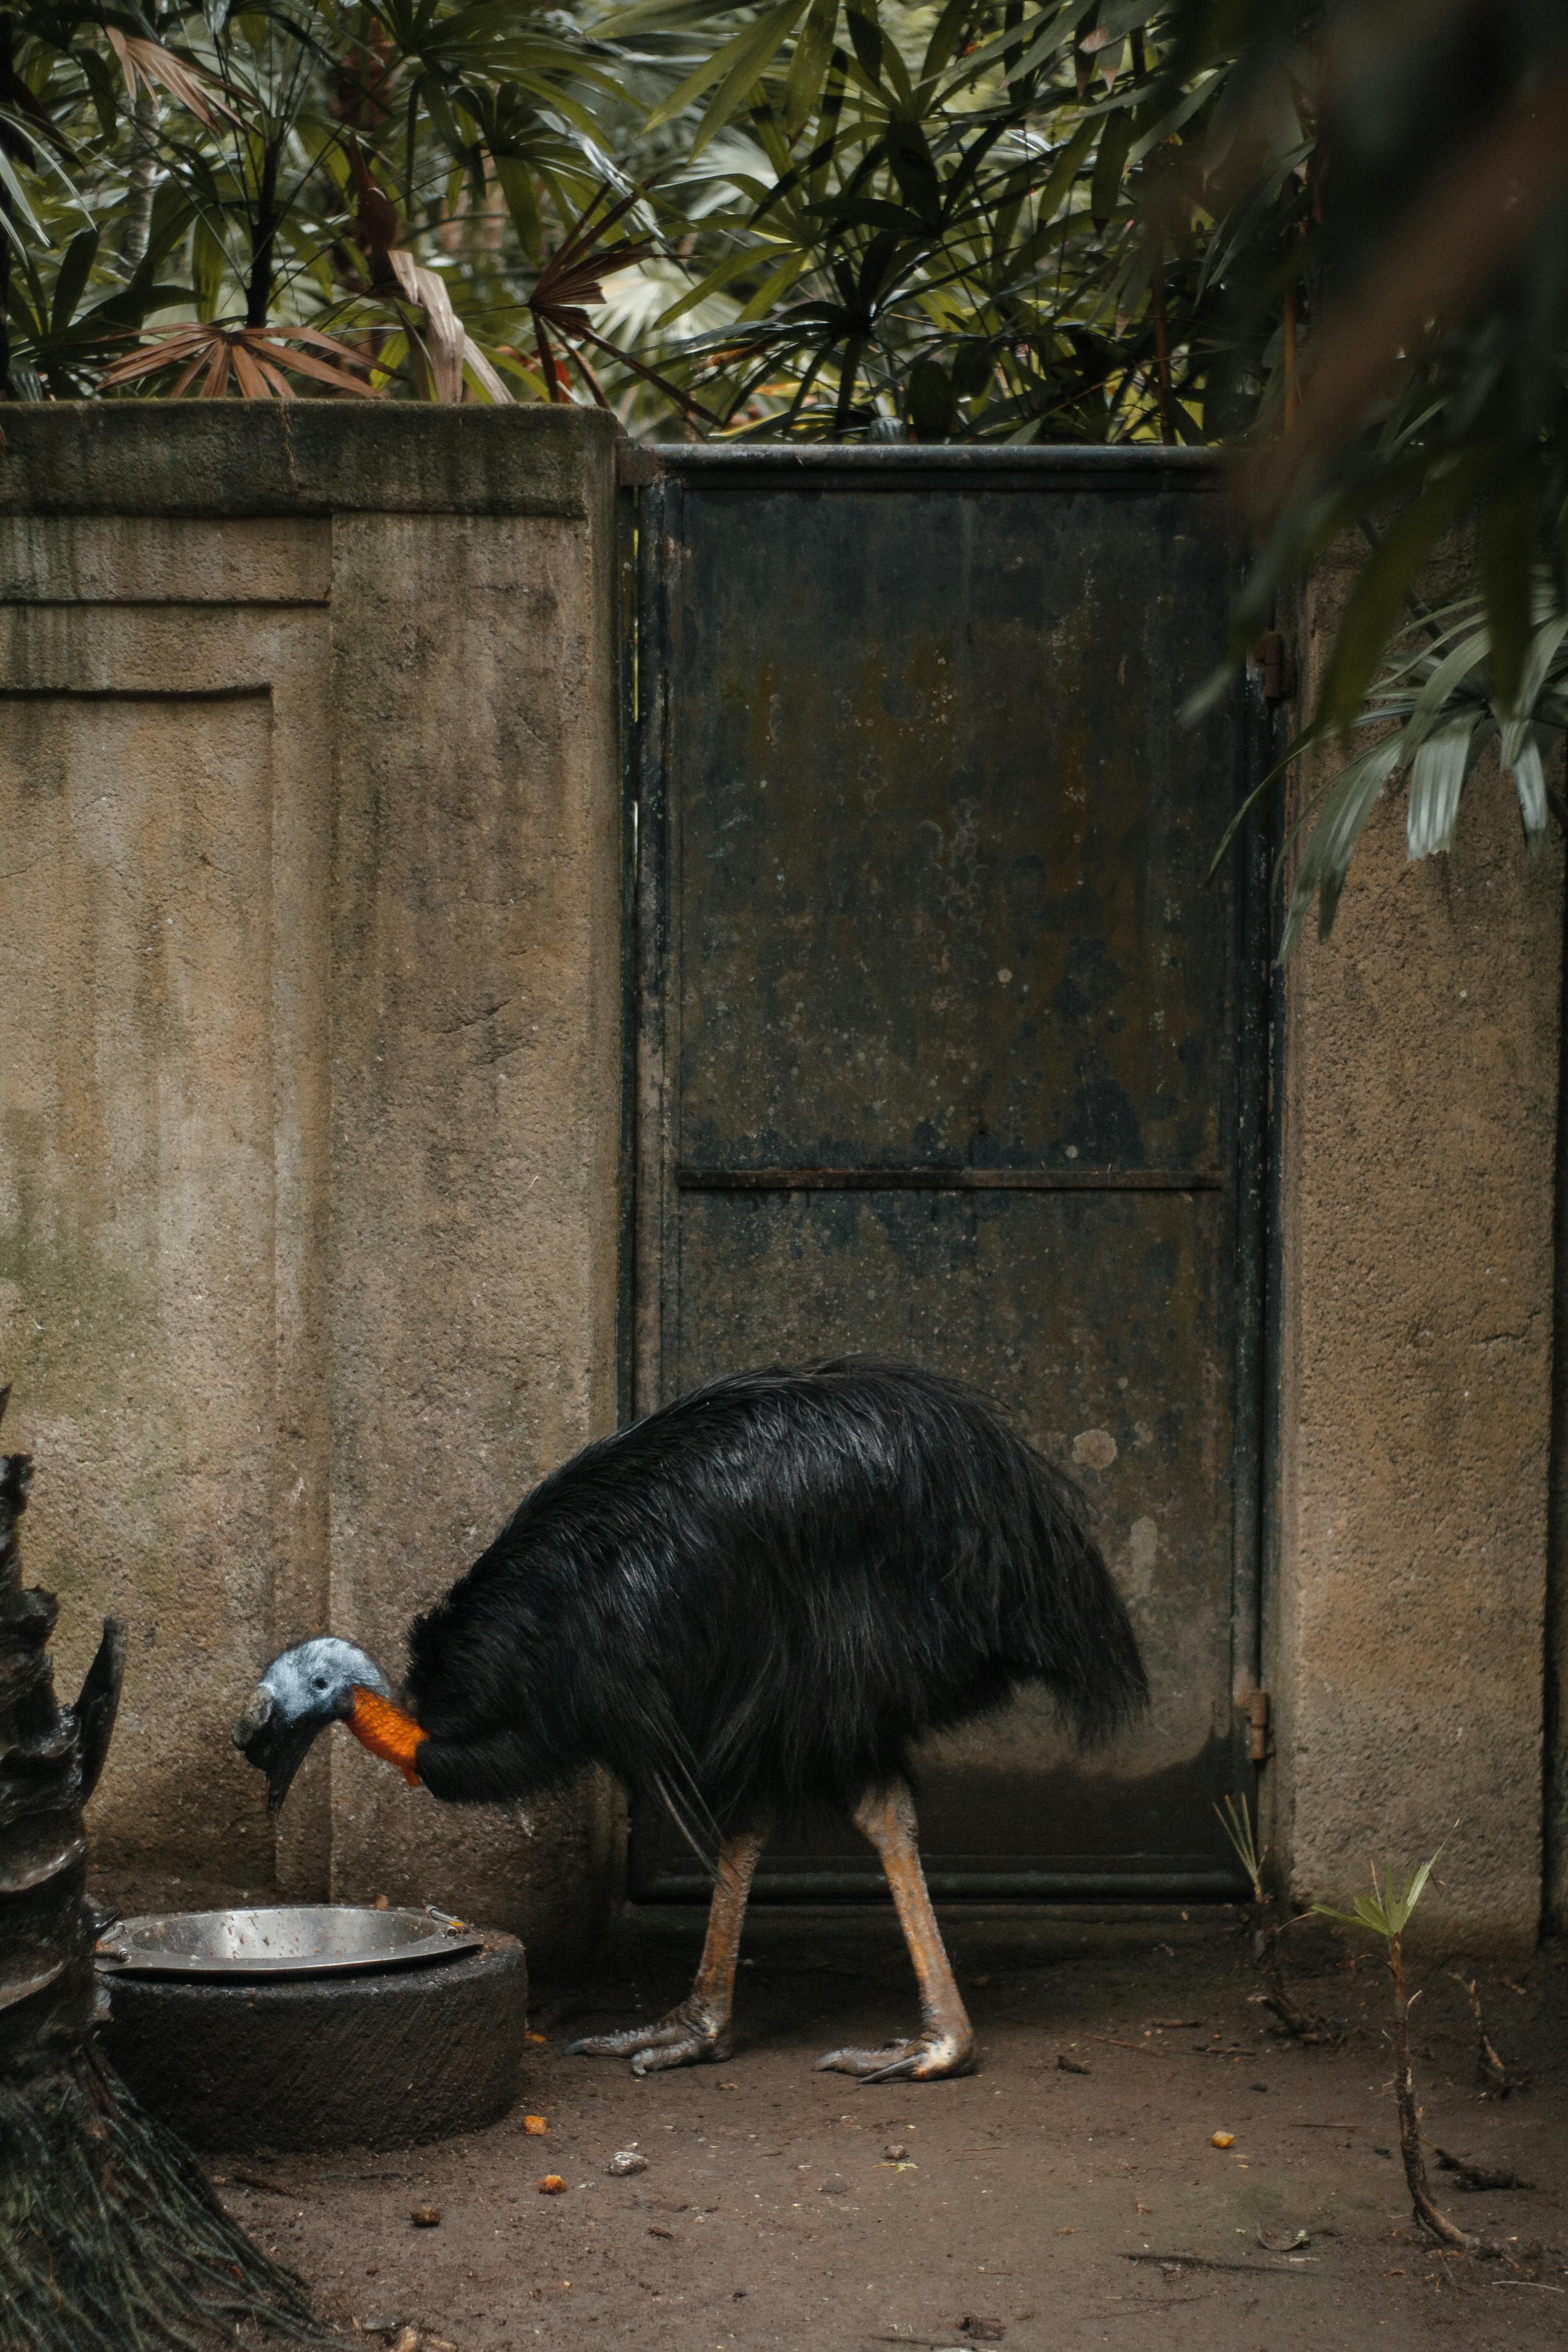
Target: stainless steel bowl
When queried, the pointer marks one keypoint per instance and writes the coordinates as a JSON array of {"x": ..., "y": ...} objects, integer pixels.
[{"x": 294, "y": 1940}]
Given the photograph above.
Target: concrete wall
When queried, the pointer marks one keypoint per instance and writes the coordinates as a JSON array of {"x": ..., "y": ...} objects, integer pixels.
[
  {"x": 309, "y": 1002},
  {"x": 1420, "y": 1110}
]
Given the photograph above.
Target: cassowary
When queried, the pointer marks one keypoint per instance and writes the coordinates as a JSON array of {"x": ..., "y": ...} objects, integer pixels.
[{"x": 751, "y": 1605}]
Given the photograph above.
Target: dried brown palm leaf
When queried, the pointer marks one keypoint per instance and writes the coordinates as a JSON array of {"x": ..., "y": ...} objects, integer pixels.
[
  {"x": 447, "y": 349},
  {"x": 362, "y": 80},
  {"x": 261, "y": 360},
  {"x": 147, "y": 65},
  {"x": 570, "y": 281}
]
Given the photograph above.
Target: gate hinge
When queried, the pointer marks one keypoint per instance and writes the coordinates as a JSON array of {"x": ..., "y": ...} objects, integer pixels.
[
  {"x": 1258, "y": 1749},
  {"x": 1272, "y": 656}
]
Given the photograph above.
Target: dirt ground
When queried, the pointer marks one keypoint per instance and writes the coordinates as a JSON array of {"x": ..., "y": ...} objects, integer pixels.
[{"x": 1033, "y": 2205}]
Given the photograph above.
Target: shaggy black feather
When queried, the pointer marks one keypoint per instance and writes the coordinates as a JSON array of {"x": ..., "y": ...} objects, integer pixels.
[{"x": 754, "y": 1602}]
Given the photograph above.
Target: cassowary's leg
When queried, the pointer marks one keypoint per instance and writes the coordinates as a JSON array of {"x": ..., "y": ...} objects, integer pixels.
[
  {"x": 947, "y": 2044},
  {"x": 700, "y": 2028}
]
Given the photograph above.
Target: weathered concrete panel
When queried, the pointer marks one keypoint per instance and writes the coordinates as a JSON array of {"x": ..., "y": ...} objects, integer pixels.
[
  {"x": 138, "y": 1211},
  {"x": 309, "y": 1007},
  {"x": 73, "y": 559},
  {"x": 476, "y": 1114},
  {"x": 1420, "y": 1118}
]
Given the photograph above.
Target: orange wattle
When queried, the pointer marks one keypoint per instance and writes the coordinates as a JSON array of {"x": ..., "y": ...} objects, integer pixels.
[{"x": 386, "y": 1731}]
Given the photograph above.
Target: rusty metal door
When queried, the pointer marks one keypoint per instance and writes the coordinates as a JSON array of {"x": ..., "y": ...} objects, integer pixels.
[{"x": 949, "y": 1048}]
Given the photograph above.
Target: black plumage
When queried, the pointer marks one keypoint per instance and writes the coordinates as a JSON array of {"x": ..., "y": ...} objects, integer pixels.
[{"x": 754, "y": 1602}]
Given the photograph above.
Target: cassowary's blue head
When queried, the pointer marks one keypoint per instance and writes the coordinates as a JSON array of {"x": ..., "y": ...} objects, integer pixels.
[{"x": 301, "y": 1693}]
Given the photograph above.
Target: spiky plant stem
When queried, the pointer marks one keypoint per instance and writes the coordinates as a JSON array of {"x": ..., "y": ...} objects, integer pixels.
[
  {"x": 1428, "y": 2214},
  {"x": 1493, "y": 2079},
  {"x": 1234, "y": 1818},
  {"x": 110, "y": 2239},
  {"x": 1267, "y": 1930}
]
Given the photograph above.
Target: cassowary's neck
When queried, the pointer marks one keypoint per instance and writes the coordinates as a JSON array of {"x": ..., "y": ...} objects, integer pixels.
[{"x": 386, "y": 1731}]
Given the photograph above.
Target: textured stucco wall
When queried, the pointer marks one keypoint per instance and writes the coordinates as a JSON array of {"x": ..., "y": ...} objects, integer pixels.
[
  {"x": 309, "y": 1032},
  {"x": 1418, "y": 1173},
  {"x": 310, "y": 1072}
]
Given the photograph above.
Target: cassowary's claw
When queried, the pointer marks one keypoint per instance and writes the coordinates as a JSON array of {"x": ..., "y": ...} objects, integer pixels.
[
  {"x": 696, "y": 2050},
  {"x": 682, "y": 2038},
  {"x": 934, "y": 2056}
]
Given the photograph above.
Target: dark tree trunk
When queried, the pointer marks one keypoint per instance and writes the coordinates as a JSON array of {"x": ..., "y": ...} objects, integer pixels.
[
  {"x": 263, "y": 238},
  {"x": 110, "y": 2239}
]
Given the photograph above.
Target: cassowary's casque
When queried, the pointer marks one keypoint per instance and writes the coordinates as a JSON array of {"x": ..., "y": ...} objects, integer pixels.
[{"x": 751, "y": 1604}]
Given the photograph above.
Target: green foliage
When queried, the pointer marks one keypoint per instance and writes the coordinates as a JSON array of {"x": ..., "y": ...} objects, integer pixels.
[
  {"x": 866, "y": 218},
  {"x": 198, "y": 162},
  {"x": 1435, "y": 709},
  {"x": 1436, "y": 404},
  {"x": 956, "y": 223},
  {"x": 945, "y": 220},
  {"x": 1386, "y": 1911}
]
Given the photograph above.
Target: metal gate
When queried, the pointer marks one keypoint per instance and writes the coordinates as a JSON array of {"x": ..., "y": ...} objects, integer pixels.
[{"x": 948, "y": 1048}]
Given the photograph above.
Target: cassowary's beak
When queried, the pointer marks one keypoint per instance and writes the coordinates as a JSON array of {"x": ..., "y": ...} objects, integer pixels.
[
  {"x": 257, "y": 1713},
  {"x": 273, "y": 1746}
]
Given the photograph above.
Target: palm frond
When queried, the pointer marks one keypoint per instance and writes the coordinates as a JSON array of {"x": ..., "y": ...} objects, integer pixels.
[{"x": 259, "y": 359}]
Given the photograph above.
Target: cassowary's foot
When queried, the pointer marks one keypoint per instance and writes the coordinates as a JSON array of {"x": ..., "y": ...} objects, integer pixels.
[
  {"x": 697, "y": 2033},
  {"x": 688, "y": 2036},
  {"x": 886, "y": 1816},
  {"x": 927, "y": 2060}
]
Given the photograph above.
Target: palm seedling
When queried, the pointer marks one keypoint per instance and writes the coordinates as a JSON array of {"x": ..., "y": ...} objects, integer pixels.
[
  {"x": 1266, "y": 1928},
  {"x": 1385, "y": 1912}
]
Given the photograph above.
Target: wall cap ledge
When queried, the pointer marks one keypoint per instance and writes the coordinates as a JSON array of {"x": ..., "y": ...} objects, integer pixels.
[{"x": 246, "y": 459}]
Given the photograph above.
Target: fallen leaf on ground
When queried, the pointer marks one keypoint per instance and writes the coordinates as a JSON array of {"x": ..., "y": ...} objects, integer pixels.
[
  {"x": 657, "y": 2230},
  {"x": 1070, "y": 2066}
]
